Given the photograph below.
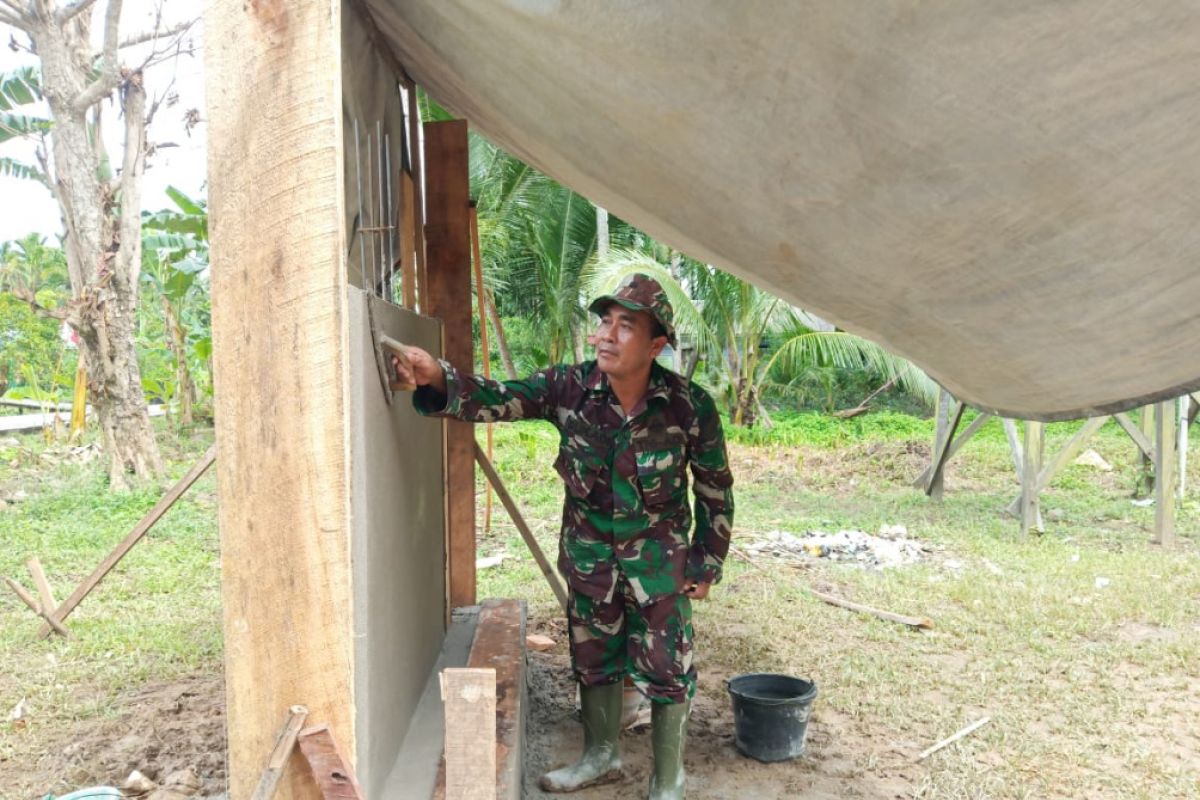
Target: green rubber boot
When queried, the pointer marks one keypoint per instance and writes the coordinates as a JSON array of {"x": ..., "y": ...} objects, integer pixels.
[
  {"x": 601, "y": 761},
  {"x": 668, "y": 733}
]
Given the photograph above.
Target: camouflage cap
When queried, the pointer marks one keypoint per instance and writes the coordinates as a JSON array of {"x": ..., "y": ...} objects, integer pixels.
[{"x": 640, "y": 292}]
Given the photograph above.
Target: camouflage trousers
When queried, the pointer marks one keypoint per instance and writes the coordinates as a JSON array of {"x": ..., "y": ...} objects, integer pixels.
[{"x": 652, "y": 644}]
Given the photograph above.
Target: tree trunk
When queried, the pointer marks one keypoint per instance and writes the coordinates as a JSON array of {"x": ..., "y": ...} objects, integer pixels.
[{"x": 102, "y": 221}]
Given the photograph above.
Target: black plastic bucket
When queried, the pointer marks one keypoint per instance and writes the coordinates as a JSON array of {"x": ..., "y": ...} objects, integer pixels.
[{"x": 770, "y": 714}]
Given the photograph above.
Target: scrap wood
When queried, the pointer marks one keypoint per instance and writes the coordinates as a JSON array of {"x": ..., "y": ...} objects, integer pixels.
[
  {"x": 330, "y": 769},
  {"x": 28, "y": 600},
  {"x": 141, "y": 529},
  {"x": 915, "y": 622},
  {"x": 284, "y": 744},
  {"x": 518, "y": 520},
  {"x": 967, "y": 731}
]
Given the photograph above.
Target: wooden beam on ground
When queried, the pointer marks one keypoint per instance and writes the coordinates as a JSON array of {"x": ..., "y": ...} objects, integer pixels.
[
  {"x": 281, "y": 355},
  {"x": 469, "y": 696},
  {"x": 833, "y": 600},
  {"x": 1164, "y": 474},
  {"x": 141, "y": 529},
  {"x": 332, "y": 771},
  {"x": 526, "y": 534},
  {"x": 1031, "y": 512},
  {"x": 448, "y": 252}
]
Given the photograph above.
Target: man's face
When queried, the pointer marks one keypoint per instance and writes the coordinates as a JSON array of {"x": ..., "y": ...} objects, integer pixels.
[{"x": 625, "y": 342}]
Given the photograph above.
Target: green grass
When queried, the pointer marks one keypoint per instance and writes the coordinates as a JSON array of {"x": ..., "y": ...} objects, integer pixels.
[
  {"x": 156, "y": 615},
  {"x": 1092, "y": 691}
]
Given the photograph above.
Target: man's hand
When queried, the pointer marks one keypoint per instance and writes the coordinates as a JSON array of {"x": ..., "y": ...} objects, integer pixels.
[
  {"x": 419, "y": 368},
  {"x": 698, "y": 591}
]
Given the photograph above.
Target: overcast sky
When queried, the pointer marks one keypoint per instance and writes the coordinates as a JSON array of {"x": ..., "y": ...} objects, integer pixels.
[{"x": 27, "y": 206}]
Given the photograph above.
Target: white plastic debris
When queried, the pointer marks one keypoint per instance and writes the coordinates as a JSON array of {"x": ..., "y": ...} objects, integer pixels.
[
  {"x": 1102, "y": 582},
  {"x": 846, "y": 545}
]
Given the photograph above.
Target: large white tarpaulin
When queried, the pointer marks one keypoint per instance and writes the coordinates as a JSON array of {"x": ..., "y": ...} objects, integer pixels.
[{"x": 1007, "y": 193}]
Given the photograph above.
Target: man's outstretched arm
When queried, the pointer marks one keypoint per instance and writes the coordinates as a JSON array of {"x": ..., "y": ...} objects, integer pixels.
[{"x": 443, "y": 390}]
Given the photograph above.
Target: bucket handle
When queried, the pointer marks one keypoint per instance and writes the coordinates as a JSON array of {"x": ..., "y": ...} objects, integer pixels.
[{"x": 763, "y": 701}]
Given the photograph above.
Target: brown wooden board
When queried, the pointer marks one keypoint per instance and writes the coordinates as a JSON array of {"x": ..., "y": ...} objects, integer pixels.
[
  {"x": 273, "y": 88},
  {"x": 330, "y": 769},
  {"x": 448, "y": 252}
]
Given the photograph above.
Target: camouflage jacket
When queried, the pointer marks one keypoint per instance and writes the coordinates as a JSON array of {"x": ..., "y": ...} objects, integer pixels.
[{"x": 626, "y": 503}]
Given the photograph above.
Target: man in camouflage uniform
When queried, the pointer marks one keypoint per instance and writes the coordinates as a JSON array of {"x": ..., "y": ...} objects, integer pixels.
[{"x": 630, "y": 429}]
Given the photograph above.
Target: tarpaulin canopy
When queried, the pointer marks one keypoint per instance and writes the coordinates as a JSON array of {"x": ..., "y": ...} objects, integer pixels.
[{"x": 1005, "y": 193}]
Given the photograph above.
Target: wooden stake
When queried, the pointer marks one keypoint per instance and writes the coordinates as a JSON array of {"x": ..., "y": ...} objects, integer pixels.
[
  {"x": 27, "y": 599},
  {"x": 967, "y": 731},
  {"x": 912, "y": 622},
  {"x": 506, "y": 500},
  {"x": 1031, "y": 513},
  {"x": 284, "y": 744},
  {"x": 486, "y": 352},
  {"x": 135, "y": 536},
  {"x": 49, "y": 604},
  {"x": 469, "y": 696},
  {"x": 1164, "y": 474}
]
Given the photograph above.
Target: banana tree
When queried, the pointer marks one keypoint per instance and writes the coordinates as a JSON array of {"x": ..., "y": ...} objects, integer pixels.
[{"x": 175, "y": 264}]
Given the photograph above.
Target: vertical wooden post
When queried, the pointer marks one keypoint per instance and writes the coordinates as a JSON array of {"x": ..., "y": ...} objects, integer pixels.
[
  {"x": 448, "y": 258},
  {"x": 937, "y": 487},
  {"x": 469, "y": 696},
  {"x": 1014, "y": 445},
  {"x": 485, "y": 352},
  {"x": 1164, "y": 474},
  {"x": 1146, "y": 479},
  {"x": 280, "y": 361},
  {"x": 1031, "y": 512}
]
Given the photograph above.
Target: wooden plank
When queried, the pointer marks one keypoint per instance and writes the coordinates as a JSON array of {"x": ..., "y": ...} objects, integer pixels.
[
  {"x": 416, "y": 145},
  {"x": 957, "y": 443},
  {"x": 278, "y": 248},
  {"x": 284, "y": 745},
  {"x": 1014, "y": 445},
  {"x": 28, "y": 600},
  {"x": 936, "y": 484},
  {"x": 448, "y": 243},
  {"x": 1031, "y": 513},
  {"x": 408, "y": 241},
  {"x": 1164, "y": 474},
  {"x": 133, "y": 537},
  {"x": 526, "y": 534},
  {"x": 1139, "y": 437},
  {"x": 49, "y": 604},
  {"x": 1063, "y": 457},
  {"x": 331, "y": 770},
  {"x": 469, "y": 695},
  {"x": 485, "y": 352}
]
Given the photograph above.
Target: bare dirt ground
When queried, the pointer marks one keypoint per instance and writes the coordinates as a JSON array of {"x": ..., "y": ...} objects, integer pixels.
[
  {"x": 832, "y": 767},
  {"x": 157, "y": 729}
]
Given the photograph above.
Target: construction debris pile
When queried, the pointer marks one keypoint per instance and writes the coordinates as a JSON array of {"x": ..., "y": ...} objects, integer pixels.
[{"x": 891, "y": 548}]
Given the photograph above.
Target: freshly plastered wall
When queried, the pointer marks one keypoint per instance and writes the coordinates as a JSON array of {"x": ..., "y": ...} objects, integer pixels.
[{"x": 396, "y": 511}]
